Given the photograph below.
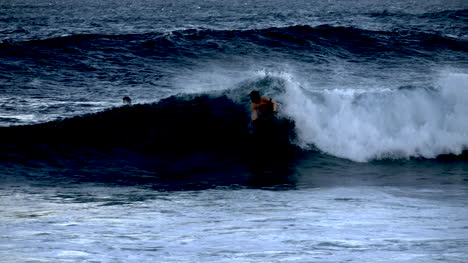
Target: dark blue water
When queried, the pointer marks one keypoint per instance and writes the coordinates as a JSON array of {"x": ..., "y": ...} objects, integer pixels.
[{"x": 372, "y": 118}]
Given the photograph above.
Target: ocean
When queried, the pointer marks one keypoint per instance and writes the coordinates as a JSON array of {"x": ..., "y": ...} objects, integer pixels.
[{"x": 367, "y": 160}]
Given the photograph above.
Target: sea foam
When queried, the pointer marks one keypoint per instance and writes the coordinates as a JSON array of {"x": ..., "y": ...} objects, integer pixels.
[{"x": 368, "y": 124}]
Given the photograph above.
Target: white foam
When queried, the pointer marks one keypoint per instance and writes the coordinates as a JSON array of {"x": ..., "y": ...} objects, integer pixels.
[
  {"x": 20, "y": 117},
  {"x": 364, "y": 124},
  {"x": 211, "y": 78}
]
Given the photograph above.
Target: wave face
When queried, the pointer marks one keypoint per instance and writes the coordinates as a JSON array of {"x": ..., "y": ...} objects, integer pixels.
[
  {"x": 323, "y": 39},
  {"x": 181, "y": 142},
  {"x": 179, "y": 124}
]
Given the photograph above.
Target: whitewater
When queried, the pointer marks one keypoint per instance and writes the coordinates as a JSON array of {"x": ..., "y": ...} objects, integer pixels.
[{"x": 363, "y": 124}]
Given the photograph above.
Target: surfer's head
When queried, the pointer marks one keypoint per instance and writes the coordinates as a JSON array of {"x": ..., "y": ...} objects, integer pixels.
[{"x": 255, "y": 96}]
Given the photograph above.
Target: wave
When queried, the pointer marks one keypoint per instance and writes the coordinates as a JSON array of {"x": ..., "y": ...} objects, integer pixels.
[
  {"x": 452, "y": 15},
  {"x": 182, "y": 142},
  {"x": 449, "y": 15},
  {"x": 178, "y": 124},
  {"x": 363, "y": 125},
  {"x": 191, "y": 43},
  {"x": 356, "y": 124}
]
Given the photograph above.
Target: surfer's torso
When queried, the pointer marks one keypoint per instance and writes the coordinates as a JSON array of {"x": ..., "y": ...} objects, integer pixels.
[{"x": 264, "y": 109}]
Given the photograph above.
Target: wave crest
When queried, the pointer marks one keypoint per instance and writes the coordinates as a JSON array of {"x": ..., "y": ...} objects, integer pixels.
[
  {"x": 198, "y": 42},
  {"x": 364, "y": 125}
]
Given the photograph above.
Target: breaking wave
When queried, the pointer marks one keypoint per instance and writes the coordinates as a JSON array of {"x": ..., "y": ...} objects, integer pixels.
[{"x": 363, "y": 125}]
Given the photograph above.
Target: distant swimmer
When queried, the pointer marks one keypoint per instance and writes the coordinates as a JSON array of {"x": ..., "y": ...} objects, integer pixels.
[
  {"x": 127, "y": 101},
  {"x": 263, "y": 108}
]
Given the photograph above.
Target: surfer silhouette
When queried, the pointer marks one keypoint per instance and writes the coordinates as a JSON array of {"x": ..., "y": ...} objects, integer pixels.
[
  {"x": 271, "y": 136},
  {"x": 264, "y": 123},
  {"x": 263, "y": 108}
]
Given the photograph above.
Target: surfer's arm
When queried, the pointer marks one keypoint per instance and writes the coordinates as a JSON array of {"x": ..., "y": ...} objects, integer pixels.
[{"x": 274, "y": 105}]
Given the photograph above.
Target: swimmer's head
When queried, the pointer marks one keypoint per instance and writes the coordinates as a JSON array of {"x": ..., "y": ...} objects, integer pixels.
[{"x": 126, "y": 100}]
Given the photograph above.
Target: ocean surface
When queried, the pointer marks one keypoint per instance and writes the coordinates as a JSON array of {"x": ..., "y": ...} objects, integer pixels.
[{"x": 366, "y": 162}]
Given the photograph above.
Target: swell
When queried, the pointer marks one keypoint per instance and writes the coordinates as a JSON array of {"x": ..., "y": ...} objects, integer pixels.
[
  {"x": 204, "y": 42},
  {"x": 179, "y": 124},
  {"x": 451, "y": 15},
  {"x": 182, "y": 142}
]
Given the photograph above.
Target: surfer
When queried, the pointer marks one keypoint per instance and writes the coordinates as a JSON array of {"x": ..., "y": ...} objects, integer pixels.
[
  {"x": 270, "y": 135},
  {"x": 264, "y": 128},
  {"x": 263, "y": 108}
]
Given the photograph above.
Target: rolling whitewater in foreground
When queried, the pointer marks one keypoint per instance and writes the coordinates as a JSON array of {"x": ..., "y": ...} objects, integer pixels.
[{"x": 368, "y": 161}]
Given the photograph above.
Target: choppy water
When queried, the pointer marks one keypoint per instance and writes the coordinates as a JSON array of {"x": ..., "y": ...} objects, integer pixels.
[
  {"x": 367, "y": 163},
  {"x": 330, "y": 224}
]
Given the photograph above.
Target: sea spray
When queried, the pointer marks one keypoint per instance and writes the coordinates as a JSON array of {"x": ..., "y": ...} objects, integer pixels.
[{"x": 363, "y": 125}]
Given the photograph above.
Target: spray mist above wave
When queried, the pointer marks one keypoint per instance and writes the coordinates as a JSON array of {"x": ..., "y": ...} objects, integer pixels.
[{"x": 363, "y": 125}]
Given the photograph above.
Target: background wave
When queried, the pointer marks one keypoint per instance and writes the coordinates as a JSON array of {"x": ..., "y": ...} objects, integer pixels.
[{"x": 197, "y": 42}]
